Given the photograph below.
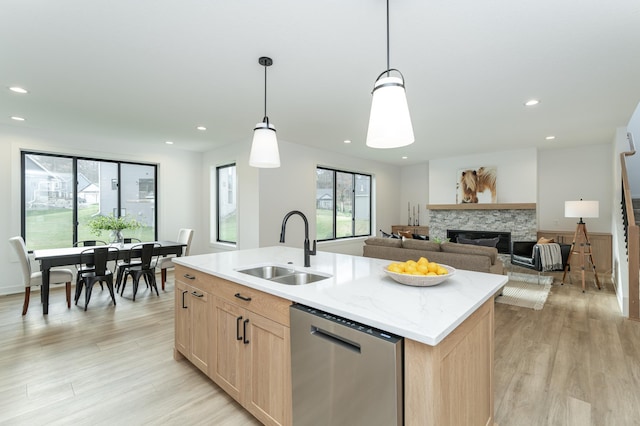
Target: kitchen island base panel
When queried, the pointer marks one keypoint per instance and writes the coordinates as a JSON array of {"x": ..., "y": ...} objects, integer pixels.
[{"x": 452, "y": 383}]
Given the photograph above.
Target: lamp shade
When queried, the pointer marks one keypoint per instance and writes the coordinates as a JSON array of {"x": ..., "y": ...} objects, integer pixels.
[
  {"x": 389, "y": 122},
  {"x": 581, "y": 208},
  {"x": 264, "y": 148}
]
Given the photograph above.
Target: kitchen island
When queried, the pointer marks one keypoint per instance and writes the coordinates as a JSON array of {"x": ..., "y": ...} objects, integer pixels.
[{"x": 448, "y": 329}]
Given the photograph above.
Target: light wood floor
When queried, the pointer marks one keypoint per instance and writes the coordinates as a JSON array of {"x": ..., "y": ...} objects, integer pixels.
[{"x": 576, "y": 362}]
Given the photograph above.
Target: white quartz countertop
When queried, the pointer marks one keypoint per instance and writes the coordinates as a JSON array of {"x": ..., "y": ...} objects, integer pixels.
[{"x": 359, "y": 290}]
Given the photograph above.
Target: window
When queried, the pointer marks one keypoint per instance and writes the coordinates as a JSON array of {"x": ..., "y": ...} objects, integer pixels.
[
  {"x": 343, "y": 204},
  {"x": 227, "y": 212},
  {"x": 60, "y": 194}
]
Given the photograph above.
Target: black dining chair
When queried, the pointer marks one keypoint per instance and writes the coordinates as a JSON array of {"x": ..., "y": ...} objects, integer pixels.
[
  {"x": 88, "y": 267},
  {"x": 98, "y": 256},
  {"x": 125, "y": 262},
  {"x": 145, "y": 268}
]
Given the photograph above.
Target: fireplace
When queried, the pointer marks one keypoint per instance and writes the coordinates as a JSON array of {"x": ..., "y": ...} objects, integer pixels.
[{"x": 504, "y": 241}]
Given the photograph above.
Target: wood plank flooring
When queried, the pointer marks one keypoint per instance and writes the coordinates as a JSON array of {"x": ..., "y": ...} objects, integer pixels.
[{"x": 576, "y": 362}]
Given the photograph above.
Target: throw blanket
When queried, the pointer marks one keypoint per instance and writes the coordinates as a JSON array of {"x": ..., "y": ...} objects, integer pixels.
[{"x": 550, "y": 257}]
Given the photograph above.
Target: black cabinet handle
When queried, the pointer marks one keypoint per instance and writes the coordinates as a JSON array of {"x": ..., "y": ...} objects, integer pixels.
[
  {"x": 189, "y": 277},
  {"x": 238, "y": 336},
  {"x": 239, "y": 296},
  {"x": 244, "y": 331},
  {"x": 183, "y": 293},
  {"x": 196, "y": 294}
]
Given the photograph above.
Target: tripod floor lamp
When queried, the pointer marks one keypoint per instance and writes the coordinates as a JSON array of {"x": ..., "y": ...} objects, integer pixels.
[{"x": 581, "y": 246}]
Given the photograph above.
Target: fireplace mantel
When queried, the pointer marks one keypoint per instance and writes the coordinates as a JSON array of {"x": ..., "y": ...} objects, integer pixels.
[{"x": 487, "y": 206}]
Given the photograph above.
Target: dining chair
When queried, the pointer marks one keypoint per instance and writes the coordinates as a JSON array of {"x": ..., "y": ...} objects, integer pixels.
[
  {"x": 127, "y": 261},
  {"x": 87, "y": 267},
  {"x": 184, "y": 237},
  {"x": 145, "y": 269},
  {"x": 30, "y": 278},
  {"x": 98, "y": 256}
]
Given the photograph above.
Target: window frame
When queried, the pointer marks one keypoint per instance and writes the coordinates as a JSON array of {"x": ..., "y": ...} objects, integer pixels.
[
  {"x": 218, "y": 195},
  {"x": 74, "y": 171},
  {"x": 353, "y": 203}
]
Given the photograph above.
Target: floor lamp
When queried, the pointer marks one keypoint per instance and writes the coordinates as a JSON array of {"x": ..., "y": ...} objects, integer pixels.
[{"x": 581, "y": 209}]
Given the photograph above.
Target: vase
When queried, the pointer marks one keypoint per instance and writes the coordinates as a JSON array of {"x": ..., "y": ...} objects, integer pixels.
[{"x": 117, "y": 237}]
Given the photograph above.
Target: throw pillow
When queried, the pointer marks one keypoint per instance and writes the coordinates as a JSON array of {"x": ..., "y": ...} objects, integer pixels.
[
  {"x": 420, "y": 245},
  {"x": 544, "y": 240},
  {"x": 384, "y": 242},
  {"x": 485, "y": 242},
  {"x": 420, "y": 237},
  {"x": 387, "y": 235}
]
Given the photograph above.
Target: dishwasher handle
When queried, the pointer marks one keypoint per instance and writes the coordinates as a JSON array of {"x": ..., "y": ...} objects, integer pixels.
[{"x": 335, "y": 339}]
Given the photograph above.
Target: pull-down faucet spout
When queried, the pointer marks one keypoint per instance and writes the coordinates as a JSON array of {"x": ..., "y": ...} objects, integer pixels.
[{"x": 307, "y": 251}]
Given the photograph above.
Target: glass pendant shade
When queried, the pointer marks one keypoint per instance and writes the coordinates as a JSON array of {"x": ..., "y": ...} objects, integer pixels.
[
  {"x": 389, "y": 122},
  {"x": 264, "y": 148}
]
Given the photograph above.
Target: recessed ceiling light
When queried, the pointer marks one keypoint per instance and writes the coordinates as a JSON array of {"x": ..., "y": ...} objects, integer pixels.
[
  {"x": 18, "y": 89},
  {"x": 550, "y": 138},
  {"x": 404, "y": 157},
  {"x": 169, "y": 142},
  {"x": 532, "y": 102},
  {"x": 347, "y": 141},
  {"x": 15, "y": 117},
  {"x": 201, "y": 128}
]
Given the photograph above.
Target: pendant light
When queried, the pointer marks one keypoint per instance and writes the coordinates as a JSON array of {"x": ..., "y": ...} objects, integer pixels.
[
  {"x": 264, "y": 148},
  {"x": 389, "y": 122}
]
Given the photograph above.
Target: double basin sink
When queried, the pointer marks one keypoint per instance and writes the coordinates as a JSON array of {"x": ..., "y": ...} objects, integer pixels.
[{"x": 283, "y": 275}]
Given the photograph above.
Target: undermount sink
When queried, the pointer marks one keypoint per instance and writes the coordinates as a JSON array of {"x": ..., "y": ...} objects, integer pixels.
[{"x": 283, "y": 275}]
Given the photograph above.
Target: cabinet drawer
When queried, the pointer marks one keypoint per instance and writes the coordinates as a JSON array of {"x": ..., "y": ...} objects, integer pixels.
[
  {"x": 264, "y": 304},
  {"x": 194, "y": 278}
]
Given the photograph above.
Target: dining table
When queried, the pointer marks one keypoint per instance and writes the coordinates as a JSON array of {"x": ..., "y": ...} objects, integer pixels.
[{"x": 65, "y": 256}]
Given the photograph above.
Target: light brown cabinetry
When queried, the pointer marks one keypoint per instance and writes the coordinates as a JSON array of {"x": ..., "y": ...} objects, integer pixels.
[
  {"x": 452, "y": 383},
  {"x": 420, "y": 230},
  {"x": 600, "y": 247},
  {"x": 193, "y": 317},
  {"x": 252, "y": 362}
]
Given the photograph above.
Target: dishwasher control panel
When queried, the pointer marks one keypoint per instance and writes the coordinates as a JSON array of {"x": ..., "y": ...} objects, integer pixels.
[{"x": 348, "y": 323}]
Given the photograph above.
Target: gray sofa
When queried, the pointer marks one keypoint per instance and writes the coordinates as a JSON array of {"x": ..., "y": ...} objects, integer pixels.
[{"x": 460, "y": 256}]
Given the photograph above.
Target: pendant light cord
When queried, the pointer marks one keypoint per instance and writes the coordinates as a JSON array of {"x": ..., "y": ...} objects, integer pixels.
[
  {"x": 265, "y": 95},
  {"x": 388, "y": 39}
]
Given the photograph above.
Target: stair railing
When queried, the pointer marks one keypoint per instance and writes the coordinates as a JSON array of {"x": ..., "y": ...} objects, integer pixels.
[{"x": 632, "y": 235}]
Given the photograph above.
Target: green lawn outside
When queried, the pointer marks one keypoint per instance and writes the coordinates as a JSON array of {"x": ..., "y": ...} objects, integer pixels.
[
  {"x": 229, "y": 229},
  {"x": 53, "y": 228},
  {"x": 324, "y": 225}
]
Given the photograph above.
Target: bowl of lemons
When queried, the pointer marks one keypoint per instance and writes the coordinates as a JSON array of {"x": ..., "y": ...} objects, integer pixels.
[{"x": 420, "y": 273}]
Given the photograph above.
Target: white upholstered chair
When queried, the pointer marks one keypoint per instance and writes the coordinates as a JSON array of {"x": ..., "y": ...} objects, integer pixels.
[
  {"x": 29, "y": 278},
  {"x": 184, "y": 236}
]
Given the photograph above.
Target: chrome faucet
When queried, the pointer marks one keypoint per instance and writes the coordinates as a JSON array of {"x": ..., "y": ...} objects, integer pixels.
[{"x": 307, "y": 251}]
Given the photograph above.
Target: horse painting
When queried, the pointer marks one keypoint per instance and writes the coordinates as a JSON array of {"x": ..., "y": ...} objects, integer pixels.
[{"x": 477, "y": 186}]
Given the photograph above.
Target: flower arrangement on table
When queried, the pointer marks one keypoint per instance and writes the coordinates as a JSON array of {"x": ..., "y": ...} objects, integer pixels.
[{"x": 114, "y": 224}]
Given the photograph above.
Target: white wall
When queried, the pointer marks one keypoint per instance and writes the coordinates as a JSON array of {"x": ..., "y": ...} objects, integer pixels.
[
  {"x": 271, "y": 193},
  {"x": 516, "y": 171},
  {"x": 415, "y": 192},
  {"x": 633, "y": 162},
  {"x": 572, "y": 174},
  {"x": 179, "y": 185}
]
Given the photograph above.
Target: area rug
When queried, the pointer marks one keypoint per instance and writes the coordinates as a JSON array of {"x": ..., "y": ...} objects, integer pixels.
[{"x": 526, "y": 294}]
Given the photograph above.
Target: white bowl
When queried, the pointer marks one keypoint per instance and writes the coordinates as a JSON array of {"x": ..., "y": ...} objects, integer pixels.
[{"x": 420, "y": 280}]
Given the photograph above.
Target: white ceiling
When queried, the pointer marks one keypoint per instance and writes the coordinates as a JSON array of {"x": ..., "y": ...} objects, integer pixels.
[{"x": 152, "y": 70}]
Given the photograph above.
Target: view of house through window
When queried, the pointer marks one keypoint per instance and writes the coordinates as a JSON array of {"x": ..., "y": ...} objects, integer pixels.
[
  {"x": 343, "y": 204},
  {"x": 62, "y": 191},
  {"x": 227, "y": 223}
]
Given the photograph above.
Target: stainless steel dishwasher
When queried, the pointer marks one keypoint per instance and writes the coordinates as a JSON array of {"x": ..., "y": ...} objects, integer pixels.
[{"x": 344, "y": 373}]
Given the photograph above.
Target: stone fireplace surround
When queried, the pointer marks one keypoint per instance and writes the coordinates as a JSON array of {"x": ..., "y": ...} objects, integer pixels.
[{"x": 522, "y": 223}]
